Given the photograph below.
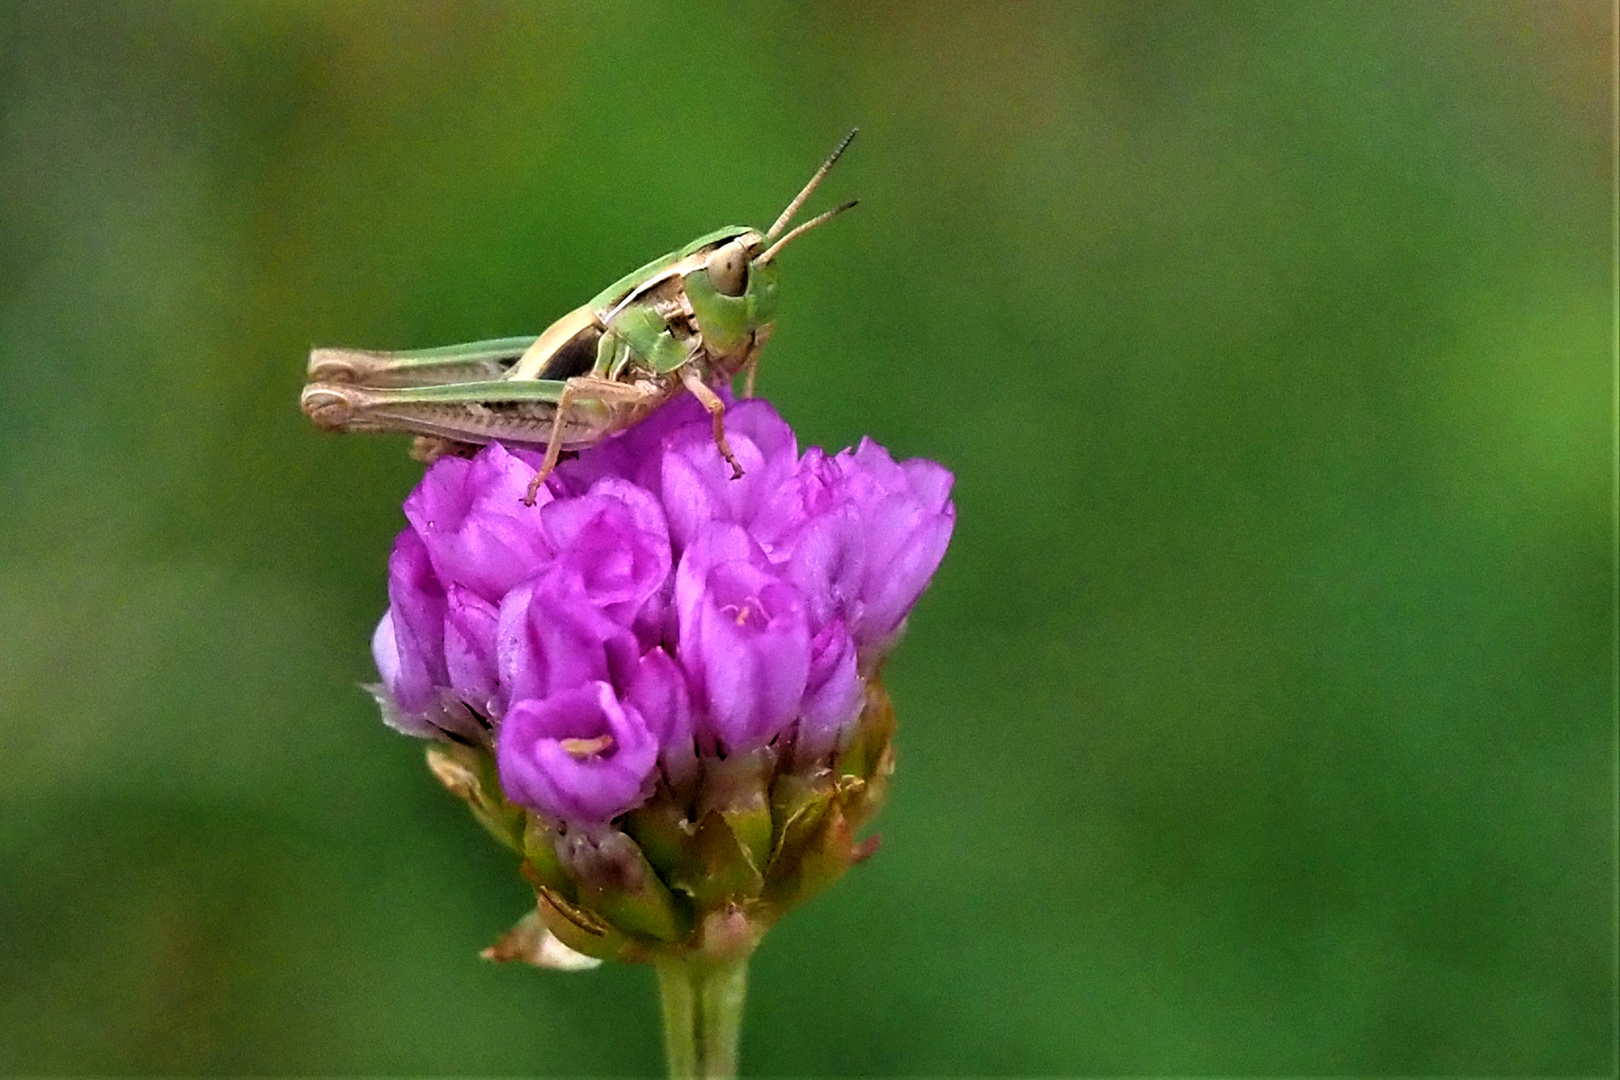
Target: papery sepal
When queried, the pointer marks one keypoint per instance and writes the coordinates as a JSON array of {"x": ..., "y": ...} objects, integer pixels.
[
  {"x": 665, "y": 834},
  {"x": 540, "y": 861},
  {"x": 869, "y": 755},
  {"x": 530, "y": 941},
  {"x": 798, "y": 807},
  {"x": 826, "y": 854},
  {"x": 469, "y": 775}
]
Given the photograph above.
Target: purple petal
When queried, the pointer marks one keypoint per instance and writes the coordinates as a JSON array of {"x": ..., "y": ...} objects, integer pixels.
[
  {"x": 550, "y": 637},
  {"x": 930, "y": 481},
  {"x": 906, "y": 522},
  {"x": 810, "y": 492},
  {"x": 616, "y": 540},
  {"x": 893, "y": 586},
  {"x": 745, "y": 640},
  {"x": 692, "y": 497},
  {"x": 721, "y": 543},
  {"x": 416, "y": 607},
  {"x": 834, "y": 696},
  {"x": 469, "y": 650},
  {"x": 827, "y": 561},
  {"x": 658, "y": 692},
  {"x": 698, "y": 485},
  {"x": 386, "y": 653}
]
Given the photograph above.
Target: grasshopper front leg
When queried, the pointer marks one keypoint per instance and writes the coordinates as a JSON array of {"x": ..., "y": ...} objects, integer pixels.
[
  {"x": 750, "y": 367},
  {"x": 717, "y": 411}
]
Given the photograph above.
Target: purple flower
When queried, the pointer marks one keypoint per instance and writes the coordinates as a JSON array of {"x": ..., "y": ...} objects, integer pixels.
[
  {"x": 834, "y": 692},
  {"x": 906, "y": 520},
  {"x": 408, "y": 646},
  {"x": 550, "y": 637},
  {"x": 580, "y": 755},
  {"x": 744, "y": 639},
  {"x": 697, "y": 486},
  {"x": 650, "y": 611},
  {"x": 861, "y": 536},
  {"x": 471, "y": 518},
  {"x": 814, "y": 534},
  {"x": 409, "y": 642},
  {"x": 615, "y": 538},
  {"x": 469, "y": 650},
  {"x": 658, "y": 691}
]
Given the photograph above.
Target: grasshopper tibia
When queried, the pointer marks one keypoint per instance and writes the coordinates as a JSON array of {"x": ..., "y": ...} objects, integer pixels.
[{"x": 717, "y": 410}]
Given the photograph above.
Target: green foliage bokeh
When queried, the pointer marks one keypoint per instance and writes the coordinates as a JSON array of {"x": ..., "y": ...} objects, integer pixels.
[{"x": 1260, "y": 719}]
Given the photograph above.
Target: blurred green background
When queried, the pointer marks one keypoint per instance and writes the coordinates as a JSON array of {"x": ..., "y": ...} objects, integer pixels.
[{"x": 1260, "y": 719}]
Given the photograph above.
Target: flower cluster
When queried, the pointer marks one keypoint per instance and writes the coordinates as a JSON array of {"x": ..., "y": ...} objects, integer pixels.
[{"x": 649, "y": 613}]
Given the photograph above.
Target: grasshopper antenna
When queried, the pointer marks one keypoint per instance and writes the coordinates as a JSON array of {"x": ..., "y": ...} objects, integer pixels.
[
  {"x": 800, "y": 230},
  {"x": 815, "y": 181}
]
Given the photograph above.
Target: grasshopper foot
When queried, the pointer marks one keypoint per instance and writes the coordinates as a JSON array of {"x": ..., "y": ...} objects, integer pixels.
[
  {"x": 717, "y": 412},
  {"x": 725, "y": 448},
  {"x": 534, "y": 485}
]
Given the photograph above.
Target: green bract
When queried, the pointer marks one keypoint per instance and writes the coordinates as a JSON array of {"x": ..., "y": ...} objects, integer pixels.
[{"x": 701, "y": 872}]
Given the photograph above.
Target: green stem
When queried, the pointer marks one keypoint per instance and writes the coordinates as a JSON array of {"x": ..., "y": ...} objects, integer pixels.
[{"x": 703, "y": 1006}]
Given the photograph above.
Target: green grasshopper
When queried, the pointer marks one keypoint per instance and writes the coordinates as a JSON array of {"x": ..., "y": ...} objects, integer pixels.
[{"x": 693, "y": 319}]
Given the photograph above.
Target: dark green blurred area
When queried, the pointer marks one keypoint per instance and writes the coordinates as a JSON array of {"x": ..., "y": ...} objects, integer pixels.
[{"x": 1259, "y": 721}]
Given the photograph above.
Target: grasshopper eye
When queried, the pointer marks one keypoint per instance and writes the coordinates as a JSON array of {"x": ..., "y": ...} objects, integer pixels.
[{"x": 728, "y": 269}]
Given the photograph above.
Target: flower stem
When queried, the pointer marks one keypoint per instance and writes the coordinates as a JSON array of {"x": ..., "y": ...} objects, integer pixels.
[{"x": 703, "y": 1006}]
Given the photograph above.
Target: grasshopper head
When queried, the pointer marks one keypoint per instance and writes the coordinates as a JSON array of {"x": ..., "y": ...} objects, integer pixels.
[
  {"x": 733, "y": 265},
  {"x": 762, "y": 286},
  {"x": 744, "y": 266},
  {"x": 734, "y": 293},
  {"x": 733, "y": 296}
]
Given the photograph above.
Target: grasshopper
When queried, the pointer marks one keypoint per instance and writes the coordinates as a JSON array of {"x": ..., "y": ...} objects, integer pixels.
[{"x": 690, "y": 320}]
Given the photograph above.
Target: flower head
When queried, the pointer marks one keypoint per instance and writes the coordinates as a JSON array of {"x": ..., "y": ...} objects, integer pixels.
[{"x": 659, "y": 648}]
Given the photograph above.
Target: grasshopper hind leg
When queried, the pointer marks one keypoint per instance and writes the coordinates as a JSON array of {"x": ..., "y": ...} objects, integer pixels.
[{"x": 583, "y": 388}]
